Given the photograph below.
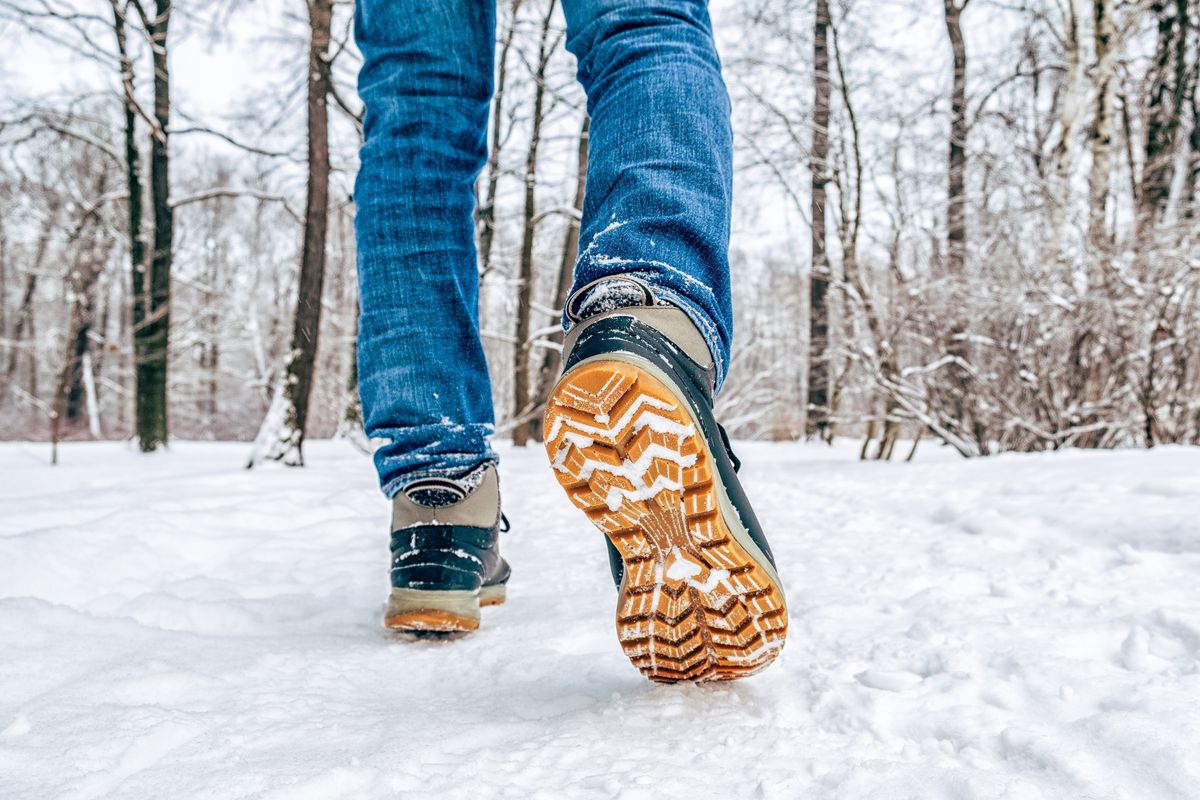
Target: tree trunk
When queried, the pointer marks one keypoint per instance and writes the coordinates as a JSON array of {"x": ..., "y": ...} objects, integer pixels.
[
  {"x": 818, "y": 326},
  {"x": 552, "y": 360},
  {"x": 208, "y": 344},
  {"x": 1169, "y": 80},
  {"x": 152, "y": 332},
  {"x": 851, "y": 208},
  {"x": 956, "y": 216},
  {"x": 1191, "y": 203},
  {"x": 1063, "y": 156},
  {"x": 23, "y": 324},
  {"x": 75, "y": 390},
  {"x": 521, "y": 404},
  {"x": 92, "y": 400},
  {"x": 487, "y": 209},
  {"x": 3, "y": 286},
  {"x": 956, "y": 207},
  {"x": 81, "y": 286},
  {"x": 287, "y": 445},
  {"x": 1101, "y": 132},
  {"x": 133, "y": 187}
]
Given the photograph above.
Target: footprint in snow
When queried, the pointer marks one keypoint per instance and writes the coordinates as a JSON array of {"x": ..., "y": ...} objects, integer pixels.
[{"x": 888, "y": 681}]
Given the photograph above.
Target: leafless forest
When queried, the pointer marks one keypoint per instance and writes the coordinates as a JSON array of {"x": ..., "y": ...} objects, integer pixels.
[{"x": 968, "y": 223}]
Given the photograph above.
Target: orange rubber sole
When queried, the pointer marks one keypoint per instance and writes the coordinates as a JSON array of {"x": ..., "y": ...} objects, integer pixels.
[
  {"x": 430, "y": 620},
  {"x": 445, "y": 612},
  {"x": 695, "y": 605}
]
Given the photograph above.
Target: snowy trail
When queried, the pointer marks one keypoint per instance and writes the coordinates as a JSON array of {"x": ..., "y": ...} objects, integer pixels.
[{"x": 1017, "y": 627}]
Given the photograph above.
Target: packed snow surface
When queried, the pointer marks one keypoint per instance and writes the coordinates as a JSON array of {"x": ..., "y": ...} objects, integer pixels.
[{"x": 173, "y": 626}]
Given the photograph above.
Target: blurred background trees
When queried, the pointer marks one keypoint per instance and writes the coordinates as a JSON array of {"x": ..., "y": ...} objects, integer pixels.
[{"x": 970, "y": 222}]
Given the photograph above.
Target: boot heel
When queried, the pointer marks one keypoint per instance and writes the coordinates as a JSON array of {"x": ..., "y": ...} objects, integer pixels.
[
  {"x": 493, "y": 595},
  {"x": 427, "y": 610}
]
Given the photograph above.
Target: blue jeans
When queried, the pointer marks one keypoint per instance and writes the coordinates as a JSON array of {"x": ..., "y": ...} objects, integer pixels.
[{"x": 657, "y": 206}]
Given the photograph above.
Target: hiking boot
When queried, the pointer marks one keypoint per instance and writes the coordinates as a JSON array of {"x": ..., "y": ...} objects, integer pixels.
[
  {"x": 445, "y": 553},
  {"x": 631, "y": 436}
]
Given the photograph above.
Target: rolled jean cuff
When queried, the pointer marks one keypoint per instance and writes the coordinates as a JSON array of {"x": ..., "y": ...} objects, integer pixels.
[
  {"x": 423, "y": 453},
  {"x": 652, "y": 276}
]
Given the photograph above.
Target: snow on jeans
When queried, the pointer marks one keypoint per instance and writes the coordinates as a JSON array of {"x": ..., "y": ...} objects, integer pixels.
[{"x": 657, "y": 206}]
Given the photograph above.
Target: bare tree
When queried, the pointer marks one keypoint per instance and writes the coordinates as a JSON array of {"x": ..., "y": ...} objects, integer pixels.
[
  {"x": 523, "y": 343},
  {"x": 23, "y": 322},
  {"x": 819, "y": 382},
  {"x": 135, "y": 194},
  {"x": 552, "y": 358},
  {"x": 282, "y": 435},
  {"x": 1102, "y": 126},
  {"x": 956, "y": 201},
  {"x": 487, "y": 207},
  {"x": 81, "y": 283},
  {"x": 1173, "y": 82},
  {"x": 957, "y": 347},
  {"x": 152, "y": 305}
]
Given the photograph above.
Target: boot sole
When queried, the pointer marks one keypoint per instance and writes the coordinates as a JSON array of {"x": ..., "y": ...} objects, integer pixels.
[
  {"x": 699, "y": 602},
  {"x": 439, "y": 611}
]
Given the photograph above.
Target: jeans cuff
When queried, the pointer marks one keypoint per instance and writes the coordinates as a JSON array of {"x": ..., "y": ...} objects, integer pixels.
[
  {"x": 664, "y": 294},
  {"x": 451, "y": 472}
]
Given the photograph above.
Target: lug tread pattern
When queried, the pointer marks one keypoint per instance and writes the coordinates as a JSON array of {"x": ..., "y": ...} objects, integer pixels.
[{"x": 695, "y": 605}]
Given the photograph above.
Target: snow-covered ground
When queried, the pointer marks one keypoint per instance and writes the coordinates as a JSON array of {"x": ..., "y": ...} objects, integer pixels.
[{"x": 1020, "y": 627}]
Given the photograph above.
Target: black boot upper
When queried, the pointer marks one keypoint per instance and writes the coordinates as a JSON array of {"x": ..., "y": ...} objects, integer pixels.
[
  {"x": 445, "y": 535},
  {"x": 446, "y": 557}
]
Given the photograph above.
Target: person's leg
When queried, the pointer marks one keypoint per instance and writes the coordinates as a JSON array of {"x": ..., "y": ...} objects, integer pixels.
[
  {"x": 629, "y": 428},
  {"x": 659, "y": 182},
  {"x": 426, "y": 82}
]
